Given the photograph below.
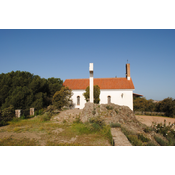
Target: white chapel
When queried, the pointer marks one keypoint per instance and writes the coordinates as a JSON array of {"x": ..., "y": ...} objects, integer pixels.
[{"x": 112, "y": 90}]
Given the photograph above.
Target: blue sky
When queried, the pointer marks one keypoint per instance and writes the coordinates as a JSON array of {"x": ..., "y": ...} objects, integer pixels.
[{"x": 66, "y": 54}]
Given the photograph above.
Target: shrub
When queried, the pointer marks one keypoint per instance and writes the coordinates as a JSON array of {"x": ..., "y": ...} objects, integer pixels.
[
  {"x": 46, "y": 117},
  {"x": 115, "y": 125},
  {"x": 94, "y": 112},
  {"x": 160, "y": 141},
  {"x": 62, "y": 98},
  {"x": 164, "y": 129},
  {"x": 132, "y": 137},
  {"x": 64, "y": 121},
  {"x": 126, "y": 131},
  {"x": 171, "y": 141},
  {"x": 143, "y": 138},
  {"x": 97, "y": 120},
  {"x": 23, "y": 116},
  {"x": 77, "y": 120},
  {"x": 150, "y": 143},
  {"x": 147, "y": 130},
  {"x": 116, "y": 111},
  {"x": 134, "y": 140},
  {"x": 39, "y": 112},
  {"x": 109, "y": 107}
]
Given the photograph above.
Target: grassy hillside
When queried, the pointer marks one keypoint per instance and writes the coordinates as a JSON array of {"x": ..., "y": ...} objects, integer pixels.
[{"x": 36, "y": 131}]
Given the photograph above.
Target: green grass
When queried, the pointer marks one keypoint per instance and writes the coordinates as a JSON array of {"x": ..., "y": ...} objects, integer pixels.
[
  {"x": 136, "y": 139},
  {"x": 50, "y": 133}
]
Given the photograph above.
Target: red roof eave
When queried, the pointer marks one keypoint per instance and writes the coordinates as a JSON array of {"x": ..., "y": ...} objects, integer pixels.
[{"x": 103, "y": 83}]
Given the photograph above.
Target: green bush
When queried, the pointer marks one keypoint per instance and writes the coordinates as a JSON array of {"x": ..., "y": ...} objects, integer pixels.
[
  {"x": 94, "y": 112},
  {"x": 109, "y": 107},
  {"x": 45, "y": 117},
  {"x": 143, "y": 138},
  {"x": 171, "y": 141},
  {"x": 77, "y": 120},
  {"x": 116, "y": 111},
  {"x": 62, "y": 98},
  {"x": 134, "y": 140},
  {"x": 98, "y": 120},
  {"x": 39, "y": 112},
  {"x": 165, "y": 130},
  {"x": 23, "y": 116},
  {"x": 126, "y": 131},
  {"x": 160, "y": 141},
  {"x": 147, "y": 130},
  {"x": 115, "y": 125}
]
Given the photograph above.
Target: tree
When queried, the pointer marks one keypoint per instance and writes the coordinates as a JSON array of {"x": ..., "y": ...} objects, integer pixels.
[
  {"x": 139, "y": 104},
  {"x": 96, "y": 94},
  {"x": 168, "y": 106},
  {"x": 62, "y": 98},
  {"x": 6, "y": 114},
  {"x": 24, "y": 90},
  {"x": 54, "y": 85}
]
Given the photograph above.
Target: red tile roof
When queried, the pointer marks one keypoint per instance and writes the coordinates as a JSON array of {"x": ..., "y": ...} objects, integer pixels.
[{"x": 103, "y": 83}]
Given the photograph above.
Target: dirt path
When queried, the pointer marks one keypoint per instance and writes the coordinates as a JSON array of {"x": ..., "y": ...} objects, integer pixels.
[
  {"x": 119, "y": 138},
  {"x": 147, "y": 120}
]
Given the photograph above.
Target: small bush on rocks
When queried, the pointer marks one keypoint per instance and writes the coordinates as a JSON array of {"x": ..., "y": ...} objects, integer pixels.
[
  {"x": 116, "y": 111},
  {"x": 97, "y": 120},
  {"x": 115, "y": 125},
  {"x": 109, "y": 107},
  {"x": 77, "y": 120},
  {"x": 143, "y": 138},
  {"x": 147, "y": 130}
]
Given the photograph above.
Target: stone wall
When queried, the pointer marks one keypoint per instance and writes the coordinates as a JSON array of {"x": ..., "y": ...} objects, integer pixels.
[{"x": 149, "y": 113}]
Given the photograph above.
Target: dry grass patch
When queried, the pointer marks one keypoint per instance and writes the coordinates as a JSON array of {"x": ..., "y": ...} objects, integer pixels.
[
  {"x": 18, "y": 142},
  {"x": 36, "y": 132}
]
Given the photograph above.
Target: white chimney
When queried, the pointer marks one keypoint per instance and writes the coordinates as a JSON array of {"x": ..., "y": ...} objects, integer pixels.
[{"x": 91, "y": 80}]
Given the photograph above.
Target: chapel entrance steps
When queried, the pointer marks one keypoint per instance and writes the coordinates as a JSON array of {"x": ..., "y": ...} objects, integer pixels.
[{"x": 119, "y": 139}]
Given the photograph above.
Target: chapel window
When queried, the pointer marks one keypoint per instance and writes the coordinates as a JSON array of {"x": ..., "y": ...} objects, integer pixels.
[
  {"x": 78, "y": 100},
  {"x": 109, "y": 99}
]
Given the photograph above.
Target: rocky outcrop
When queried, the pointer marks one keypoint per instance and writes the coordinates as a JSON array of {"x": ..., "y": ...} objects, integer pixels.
[{"x": 110, "y": 113}]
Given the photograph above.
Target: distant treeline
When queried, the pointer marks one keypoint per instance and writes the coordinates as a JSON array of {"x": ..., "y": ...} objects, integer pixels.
[
  {"x": 167, "y": 105},
  {"x": 24, "y": 90}
]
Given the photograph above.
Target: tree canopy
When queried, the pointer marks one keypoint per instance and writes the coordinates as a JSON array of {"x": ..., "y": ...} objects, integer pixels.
[
  {"x": 62, "y": 98},
  {"x": 96, "y": 94},
  {"x": 23, "y": 90},
  {"x": 167, "y": 105}
]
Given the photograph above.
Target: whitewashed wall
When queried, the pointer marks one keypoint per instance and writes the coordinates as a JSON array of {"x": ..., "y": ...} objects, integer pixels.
[
  {"x": 116, "y": 97},
  {"x": 82, "y": 99}
]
